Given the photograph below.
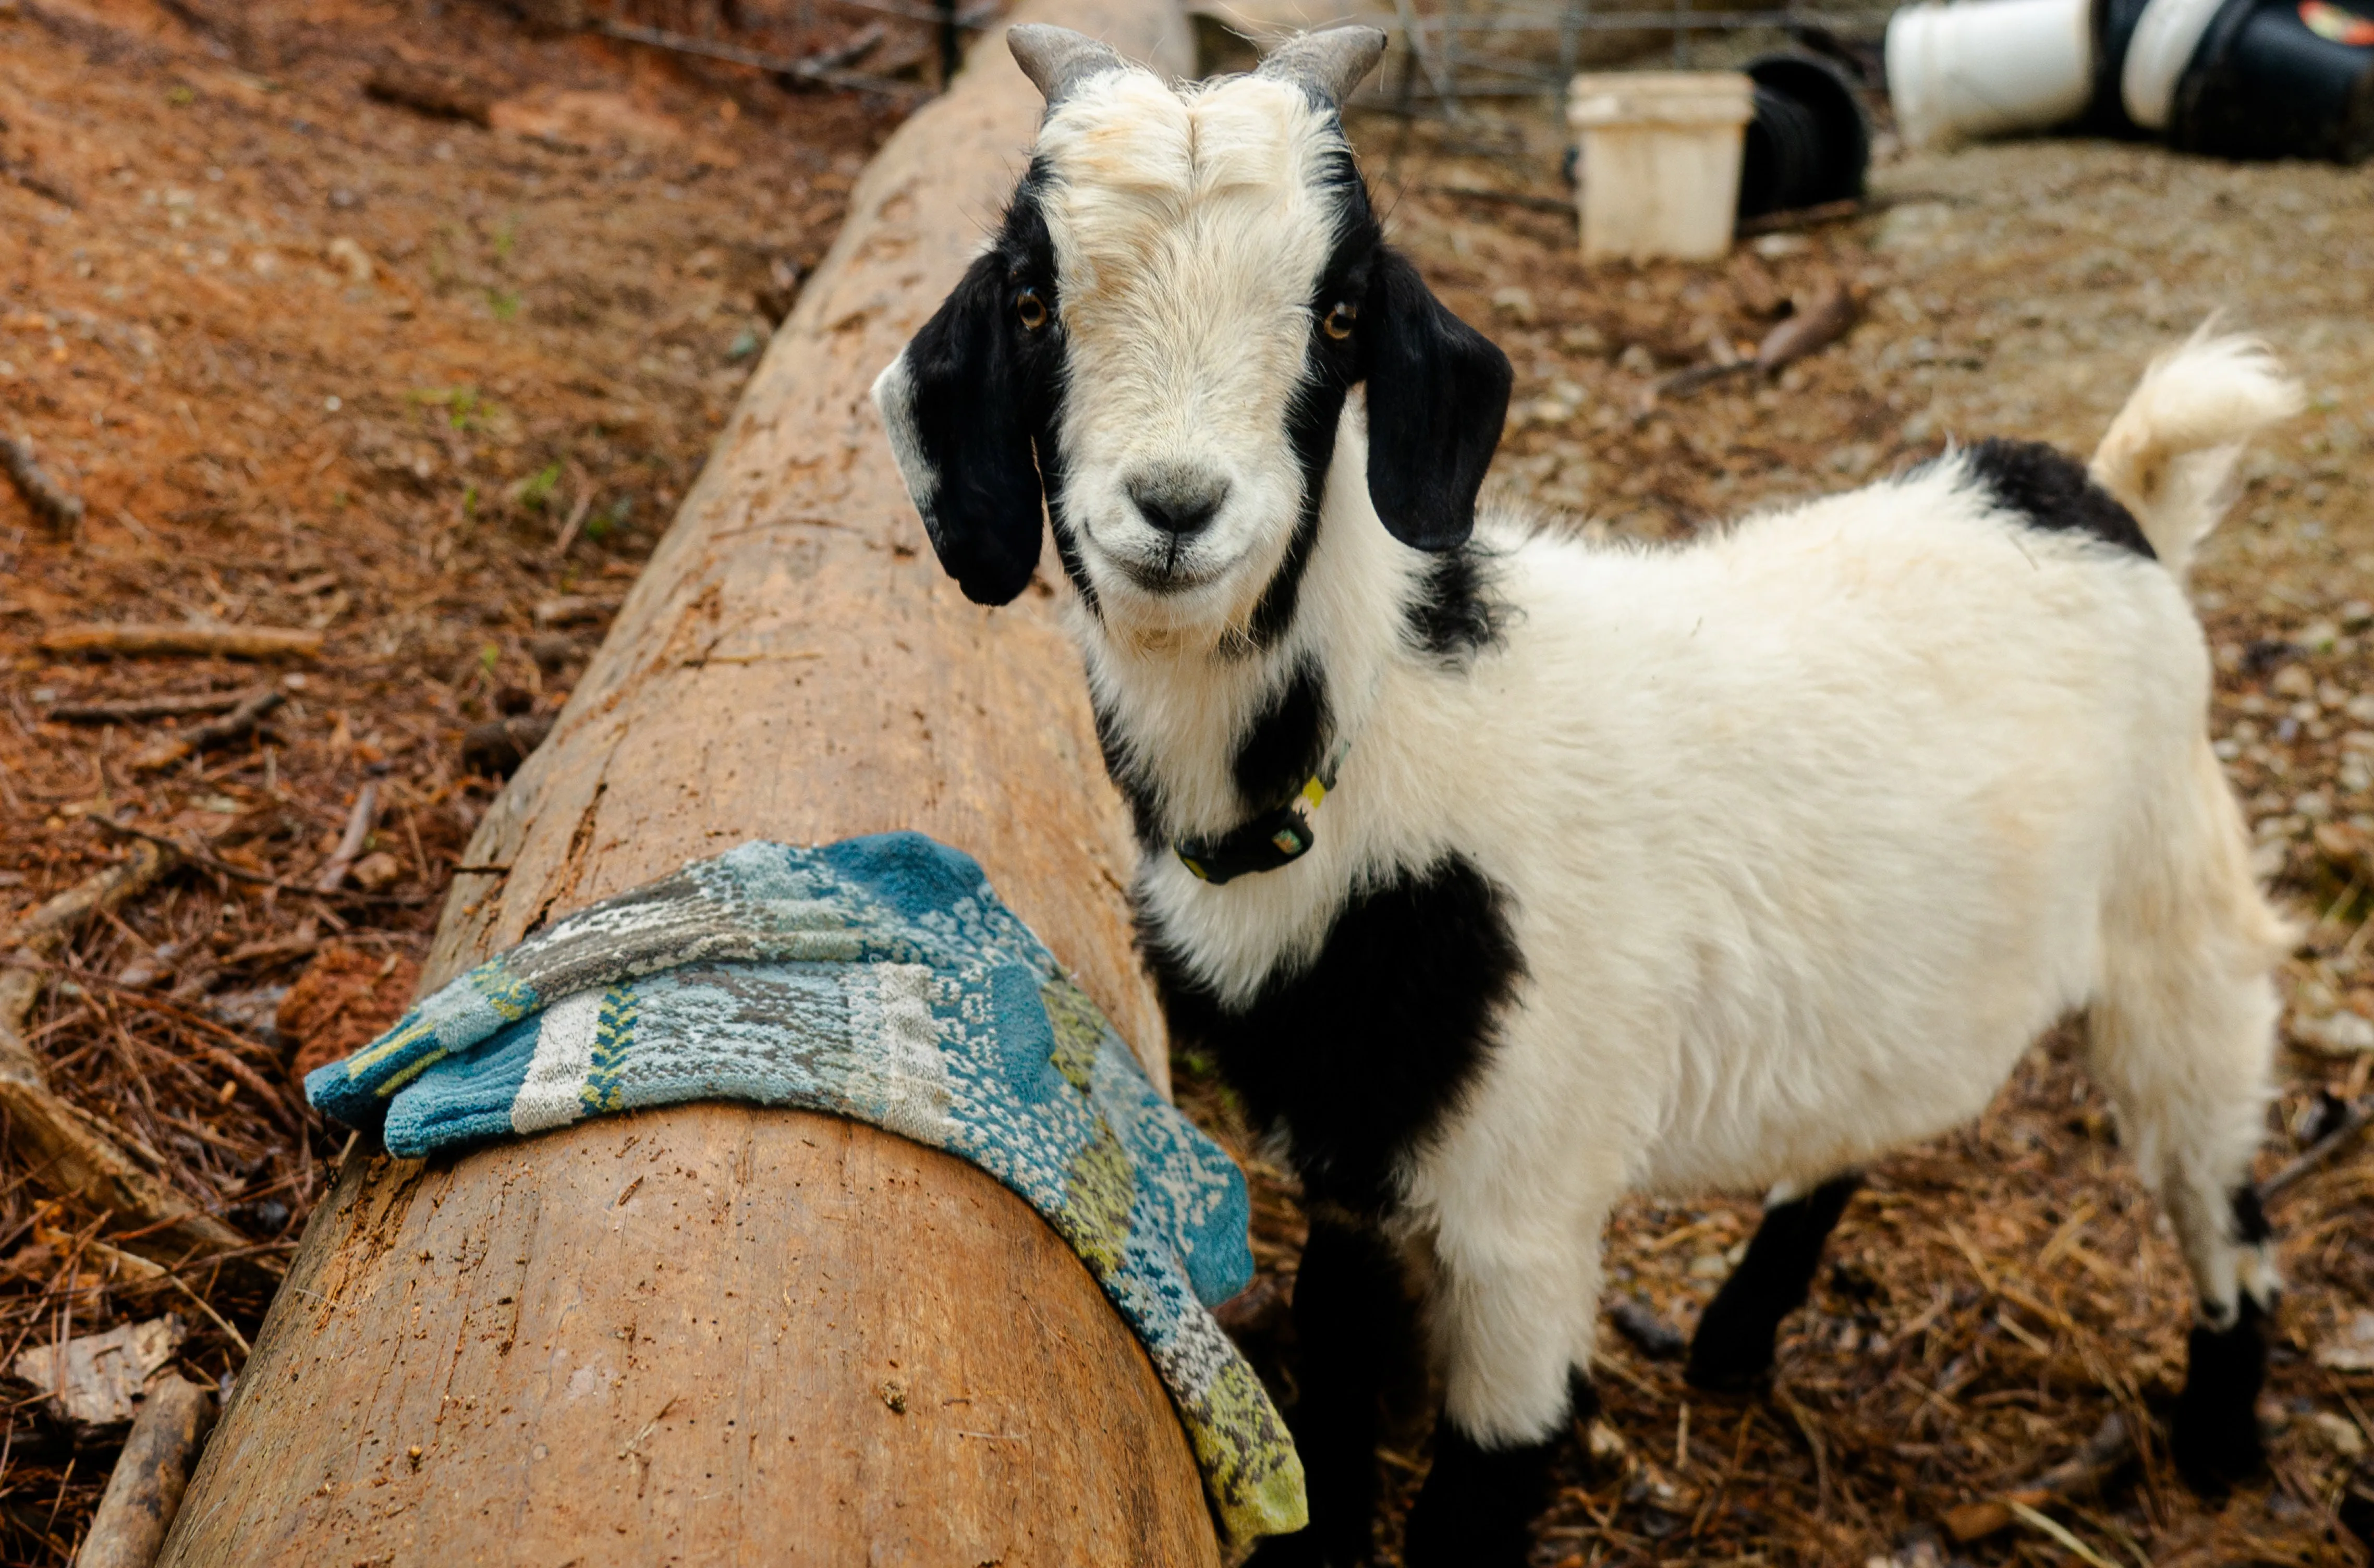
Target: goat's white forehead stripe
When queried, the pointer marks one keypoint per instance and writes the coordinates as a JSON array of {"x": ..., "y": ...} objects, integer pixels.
[
  {"x": 1159, "y": 198},
  {"x": 1129, "y": 132}
]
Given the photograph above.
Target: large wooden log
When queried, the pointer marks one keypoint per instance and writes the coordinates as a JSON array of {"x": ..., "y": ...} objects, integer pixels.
[{"x": 716, "y": 1334}]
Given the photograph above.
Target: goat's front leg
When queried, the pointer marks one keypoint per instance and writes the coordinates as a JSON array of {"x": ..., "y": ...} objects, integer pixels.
[
  {"x": 1511, "y": 1323},
  {"x": 1352, "y": 1317}
]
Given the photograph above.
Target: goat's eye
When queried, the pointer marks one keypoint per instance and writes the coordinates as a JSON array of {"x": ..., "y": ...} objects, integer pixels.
[
  {"x": 1031, "y": 309},
  {"x": 1338, "y": 323}
]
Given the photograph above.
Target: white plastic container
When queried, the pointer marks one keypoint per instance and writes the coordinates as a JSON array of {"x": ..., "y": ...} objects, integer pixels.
[
  {"x": 1659, "y": 161},
  {"x": 1988, "y": 67}
]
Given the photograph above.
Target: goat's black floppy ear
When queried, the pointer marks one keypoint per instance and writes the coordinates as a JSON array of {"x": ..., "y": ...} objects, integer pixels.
[
  {"x": 1437, "y": 396},
  {"x": 958, "y": 414}
]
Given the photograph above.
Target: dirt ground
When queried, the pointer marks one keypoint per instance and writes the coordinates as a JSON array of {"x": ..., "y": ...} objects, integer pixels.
[
  {"x": 427, "y": 384},
  {"x": 432, "y": 385}
]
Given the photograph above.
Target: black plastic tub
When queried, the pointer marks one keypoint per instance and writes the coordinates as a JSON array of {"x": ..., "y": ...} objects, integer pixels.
[
  {"x": 1808, "y": 143},
  {"x": 2279, "y": 78}
]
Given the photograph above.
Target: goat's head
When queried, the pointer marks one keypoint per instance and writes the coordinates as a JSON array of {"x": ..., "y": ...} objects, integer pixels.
[{"x": 1162, "y": 339}]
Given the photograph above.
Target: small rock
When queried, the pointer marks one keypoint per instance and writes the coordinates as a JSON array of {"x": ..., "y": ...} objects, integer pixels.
[
  {"x": 498, "y": 747},
  {"x": 573, "y": 609},
  {"x": 378, "y": 871},
  {"x": 894, "y": 1394},
  {"x": 1516, "y": 302},
  {"x": 2338, "y": 1034},
  {"x": 2292, "y": 681},
  {"x": 2338, "y": 1433},
  {"x": 265, "y": 1217},
  {"x": 2351, "y": 1349},
  {"x": 1636, "y": 359},
  {"x": 1708, "y": 1265},
  {"x": 1582, "y": 338},
  {"x": 350, "y": 258},
  {"x": 152, "y": 967},
  {"x": 1656, "y": 1338},
  {"x": 551, "y": 651},
  {"x": 255, "y": 1010}
]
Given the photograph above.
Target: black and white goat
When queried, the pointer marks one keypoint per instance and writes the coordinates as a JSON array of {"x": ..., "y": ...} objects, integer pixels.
[{"x": 1725, "y": 866}]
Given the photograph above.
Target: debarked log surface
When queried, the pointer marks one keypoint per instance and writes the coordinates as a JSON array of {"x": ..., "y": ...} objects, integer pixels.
[{"x": 718, "y": 1334}]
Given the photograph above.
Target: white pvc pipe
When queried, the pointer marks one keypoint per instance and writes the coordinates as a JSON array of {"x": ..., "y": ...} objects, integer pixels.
[
  {"x": 2167, "y": 34},
  {"x": 1957, "y": 72}
]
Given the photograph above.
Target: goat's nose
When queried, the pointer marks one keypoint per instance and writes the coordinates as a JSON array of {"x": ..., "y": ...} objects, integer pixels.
[{"x": 1178, "y": 500}]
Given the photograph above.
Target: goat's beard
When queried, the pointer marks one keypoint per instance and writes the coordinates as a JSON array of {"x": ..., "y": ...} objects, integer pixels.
[{"x": 1212, "y": 620}]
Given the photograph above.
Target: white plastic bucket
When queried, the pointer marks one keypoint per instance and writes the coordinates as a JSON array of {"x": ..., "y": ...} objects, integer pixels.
[
  {"x": 1983, "y": 69},
  {"x": 1661, "y": 153}
]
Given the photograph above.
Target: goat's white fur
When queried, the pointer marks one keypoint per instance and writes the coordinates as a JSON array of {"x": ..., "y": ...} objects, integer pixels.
[{"x": 1808, "y": 829}]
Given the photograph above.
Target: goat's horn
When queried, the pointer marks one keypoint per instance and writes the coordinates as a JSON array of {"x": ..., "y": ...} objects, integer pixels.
[
  {"x": 1330, "y": 63},
  {"x": 1057, "y": 59}
]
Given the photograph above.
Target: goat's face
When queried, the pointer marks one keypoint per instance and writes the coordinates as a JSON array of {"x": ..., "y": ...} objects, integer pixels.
[{"x": 1161, "y": 340}]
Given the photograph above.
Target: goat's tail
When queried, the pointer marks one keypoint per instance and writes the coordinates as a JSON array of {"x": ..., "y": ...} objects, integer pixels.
[{"x": 2169, "y": 457}]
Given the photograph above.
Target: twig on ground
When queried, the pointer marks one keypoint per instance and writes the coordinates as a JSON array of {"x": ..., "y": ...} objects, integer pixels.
[
  {"x": 1800, "y": 218},
  {"x": 857, "y": 45},
  {"x": 213, "y": 864},
  {"x": 576, "y": 520},
  {"x": 41, "y": 184},
  {"x": 2324, "y": 1149},
  {"x": 51, "y": 501},
  {"x": 1528, "y": 201},
  {"x": 235, "y": 725},
  {"x": 136, "y": 640},
  {"x": 2101, "y": 1456},
  {"x": 1813, "y": 326},
  {"x": 359, "y": 822},
  {"x": 423, "y": 89},
  {"x": 789, "y": 71},
  {"x": 145, "y": 1491},
  {"x": 133, "y": 710}
]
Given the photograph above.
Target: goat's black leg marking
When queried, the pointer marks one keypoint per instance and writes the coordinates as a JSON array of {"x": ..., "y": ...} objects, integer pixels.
[
  {"x": 1733, "y": 1346},
  {"x": 2214, "y": 1435},
  {"x": 1478, "y": 1507},
  {"x": 1355, "y": 1325}
]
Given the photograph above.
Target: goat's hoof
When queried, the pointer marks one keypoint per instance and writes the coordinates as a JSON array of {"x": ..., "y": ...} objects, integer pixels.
[
  {"x": 2213, "y": 1436},
  {"x": 1477, "y": 1507},
  {"x": 2215, "y": 1458},
  {"x": 1727, "y": 1358},
  {"x": 1725, "y": 1373}
]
